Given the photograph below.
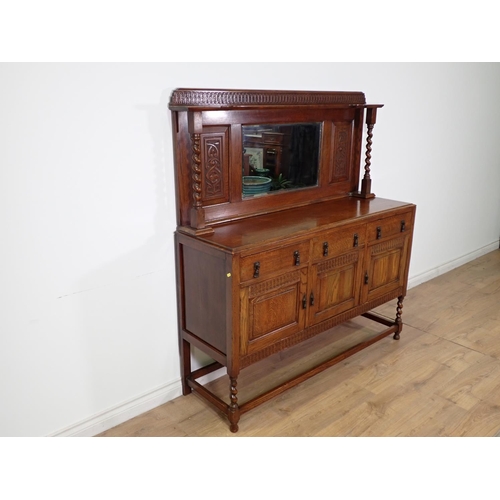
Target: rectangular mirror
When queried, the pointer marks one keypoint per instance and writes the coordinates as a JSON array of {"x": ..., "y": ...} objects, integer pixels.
[{"x": 280, "y": 157}]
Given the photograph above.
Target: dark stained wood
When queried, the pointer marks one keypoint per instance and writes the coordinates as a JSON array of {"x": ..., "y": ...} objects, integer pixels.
[{"x": 259, "y": 274}]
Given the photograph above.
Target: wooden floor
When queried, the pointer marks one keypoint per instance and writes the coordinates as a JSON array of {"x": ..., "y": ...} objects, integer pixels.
[{"x": 442, "y": 378}]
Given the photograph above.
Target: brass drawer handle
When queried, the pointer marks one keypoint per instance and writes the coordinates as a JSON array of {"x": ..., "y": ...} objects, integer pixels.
[
  {"x": 366, "y": 278},
  {"x": 256, "y": 269},
  {"x": 355, "y": 244},
  {"x": 379, "y": 232},
  {"x": 325, "y": 248},
  {"x": 304, "y": 302},
  {"x": 403, "y": 226},
  {"x": 311, "y": 299}
]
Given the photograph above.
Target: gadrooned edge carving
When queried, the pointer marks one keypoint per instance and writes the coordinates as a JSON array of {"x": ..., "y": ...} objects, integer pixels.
[
  {"x": 342, "y": 260},
  {"x": 193, "y": 97},
  {"x": 277, "y": 282},
  {"x": 388, "y": 245},
  {"x": 319, "y": 328}
]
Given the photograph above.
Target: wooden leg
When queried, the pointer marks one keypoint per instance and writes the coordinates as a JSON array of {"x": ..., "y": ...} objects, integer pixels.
[
  {"x": 398, "y": 321},
  {"x": 186, "y": 366},
  {"x": 234, "y": 409}
]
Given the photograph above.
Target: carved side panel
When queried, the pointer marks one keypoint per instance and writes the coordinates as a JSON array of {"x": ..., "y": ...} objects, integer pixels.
[
  {"x": 341, "y": 161},
  {"x": 214, "y": 167}
]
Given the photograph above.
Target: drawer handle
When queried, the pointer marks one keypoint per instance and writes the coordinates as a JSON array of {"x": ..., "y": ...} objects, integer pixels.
[
  {"x": 311, "y": 299},
  {"x": 355, "y": 244},
  {"x": 403, "y": 226},
  {"x": 256, "y": 269},
  {"x": 325, "y": 248},
  {"x": 379, "y": 232},
  {"x": 296, "y": 256},
  {"x": 366, "y": 278},
  {"x": 304, "y": 302}
]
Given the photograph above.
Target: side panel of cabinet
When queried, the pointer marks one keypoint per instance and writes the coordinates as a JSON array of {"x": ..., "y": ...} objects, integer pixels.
[
  {"x": 272, "y": 310},
  {"x": 204, "y": 294},
  {"x": 335, "y": 286},
  {"x": 386, "y": 267}
]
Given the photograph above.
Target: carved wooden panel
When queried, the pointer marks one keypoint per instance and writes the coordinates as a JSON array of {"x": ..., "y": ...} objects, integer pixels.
[
  {"x": 341, "y": 161},
  {"x": 214, "y": 167},
  {"x": 274, "y": 313},
  {"x": 335, "y": 286},
  {"x": 386, "y": 267}
]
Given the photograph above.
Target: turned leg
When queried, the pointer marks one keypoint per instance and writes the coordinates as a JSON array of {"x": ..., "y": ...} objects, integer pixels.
[
  {"x": 186, "y": 366},
  {"x": 234, "y": 410},
  {"x": 399, "y": 323}
]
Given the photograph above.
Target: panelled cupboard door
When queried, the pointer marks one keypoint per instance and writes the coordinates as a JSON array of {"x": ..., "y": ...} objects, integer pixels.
[
  {"x": 272, "y": 310},
  {"x": 385, "y": 267},
  {"x": 335, "y": 285}
]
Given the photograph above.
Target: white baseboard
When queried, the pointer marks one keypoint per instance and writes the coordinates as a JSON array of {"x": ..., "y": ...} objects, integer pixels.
[
  {"x": 121, "y": 413},
  {"x": 448, "y": 266}
]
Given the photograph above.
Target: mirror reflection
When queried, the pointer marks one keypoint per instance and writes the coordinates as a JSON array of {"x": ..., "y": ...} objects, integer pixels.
[{"x": 280, "y": 157}]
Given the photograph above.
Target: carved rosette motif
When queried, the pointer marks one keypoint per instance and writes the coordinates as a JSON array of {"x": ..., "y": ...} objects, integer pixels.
[
  {"x": 196, "y": 170},
  {"x": 213, "y": 170}
]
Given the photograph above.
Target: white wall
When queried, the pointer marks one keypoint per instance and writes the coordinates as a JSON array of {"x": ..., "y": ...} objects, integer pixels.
[{"x": 87, "y": 307}]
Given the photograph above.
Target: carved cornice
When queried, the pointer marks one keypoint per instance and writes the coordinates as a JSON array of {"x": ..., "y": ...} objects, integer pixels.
[{"x": 182, "y": 98}]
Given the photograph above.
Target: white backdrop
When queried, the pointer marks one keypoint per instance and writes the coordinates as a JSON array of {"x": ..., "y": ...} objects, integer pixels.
[{"x": 88, "y": 332}]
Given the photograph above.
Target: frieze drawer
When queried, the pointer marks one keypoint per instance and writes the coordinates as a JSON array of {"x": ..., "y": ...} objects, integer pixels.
[
  {"x": 266, "y": 264},
  {"x": 389, "y": 227},
  {"x": 338, "y": 241}
]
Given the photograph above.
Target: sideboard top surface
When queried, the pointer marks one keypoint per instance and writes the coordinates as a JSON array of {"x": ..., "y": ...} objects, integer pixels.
[{"x": 267, "y": 228}]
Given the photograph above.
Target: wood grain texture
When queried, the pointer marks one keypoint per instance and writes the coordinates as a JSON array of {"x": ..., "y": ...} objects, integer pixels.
[{"x": 442, "y": 378}]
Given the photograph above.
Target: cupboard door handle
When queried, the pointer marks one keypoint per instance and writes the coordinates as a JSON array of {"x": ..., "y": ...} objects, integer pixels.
[
  {"x": 379, "y": 232},
  {"x": 403, "y": 226},
  {"x": 355, "y": 244},
  {"x": 311, "y": 299},
  {"x": 304, "y": 302},
  {"x": 296, "y": 256},
  {"x": 325, "y": 248},
  {"x": 256, "y": 269},
  {"x": 366, "y": 278}
]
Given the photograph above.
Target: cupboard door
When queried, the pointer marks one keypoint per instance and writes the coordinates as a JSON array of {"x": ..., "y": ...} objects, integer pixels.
[
  {"x": 272, "y": 310},
  {"x": 335, "y": 286},
  {"x": 386, "y": 267}
]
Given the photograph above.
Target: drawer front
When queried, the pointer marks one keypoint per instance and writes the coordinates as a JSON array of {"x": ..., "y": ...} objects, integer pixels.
[
  {"x": 266, "y": 264},
  {"x": 338, "y": 241},
  {"x": 389, "y": 227}
]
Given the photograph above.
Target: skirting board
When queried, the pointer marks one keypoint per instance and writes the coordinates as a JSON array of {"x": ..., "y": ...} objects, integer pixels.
[
  {"x": 130, "y": 409},
  {"x": 448, "y": 266},
  {"x": 121, "y": 413}
]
